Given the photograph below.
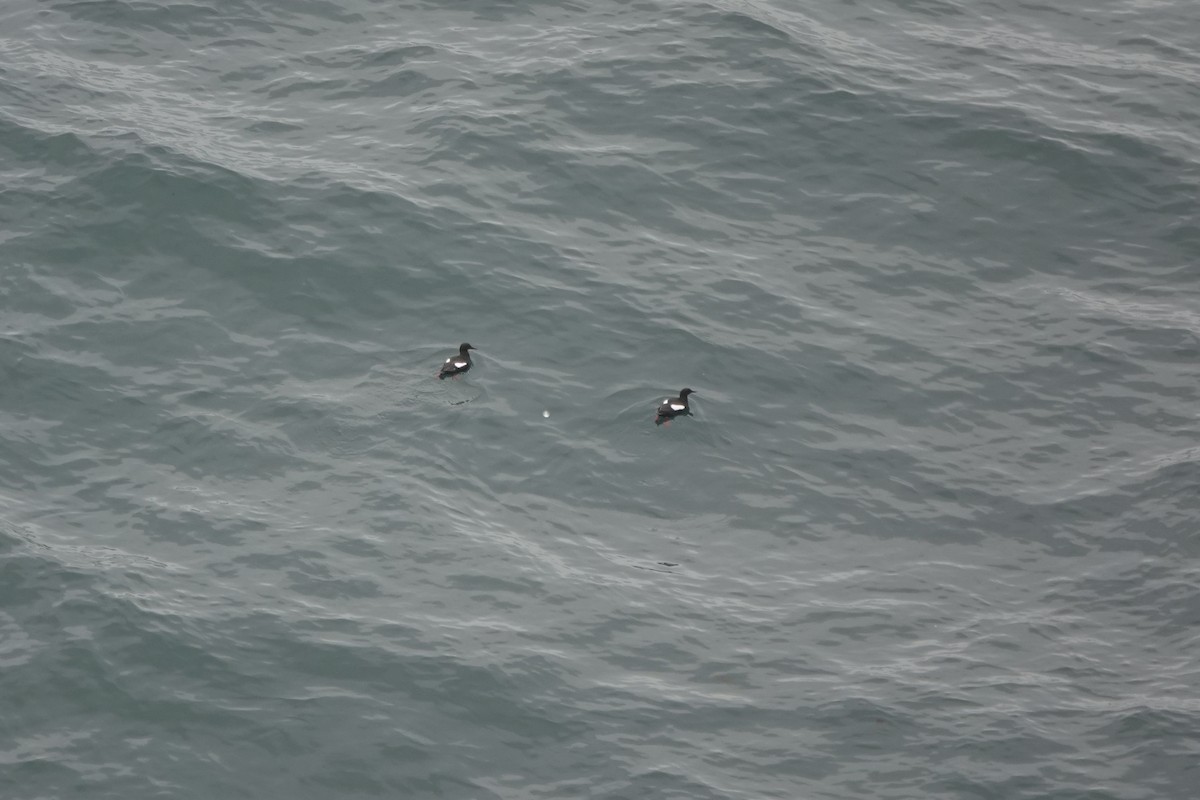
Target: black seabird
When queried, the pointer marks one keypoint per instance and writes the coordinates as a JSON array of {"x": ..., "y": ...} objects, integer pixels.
[
  {"x": 673, "y": 407},
  {"x": 456, "y": 365}
]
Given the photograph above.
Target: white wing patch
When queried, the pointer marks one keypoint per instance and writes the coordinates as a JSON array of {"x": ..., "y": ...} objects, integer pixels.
[
  {"x": 460, "y": 364},
  {"x": 677, "y": 407}
]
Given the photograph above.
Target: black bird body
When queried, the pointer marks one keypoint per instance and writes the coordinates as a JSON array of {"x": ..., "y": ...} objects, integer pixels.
[
  {"x": 457, "y": 364},
  {"x": 673, "y": 407}
]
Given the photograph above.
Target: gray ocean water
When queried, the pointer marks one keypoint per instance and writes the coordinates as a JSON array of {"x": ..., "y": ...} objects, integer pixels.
[{"x": 931, "y": 266}]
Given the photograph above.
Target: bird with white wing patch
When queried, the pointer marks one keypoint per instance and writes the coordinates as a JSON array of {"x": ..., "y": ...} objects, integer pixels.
[
  {"x": 673, "y": 407},
  {"x": 457, "y": 364}
]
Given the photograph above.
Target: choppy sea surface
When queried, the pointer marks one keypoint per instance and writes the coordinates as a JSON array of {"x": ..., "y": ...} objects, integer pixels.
[{"x": 931, "y": 266}]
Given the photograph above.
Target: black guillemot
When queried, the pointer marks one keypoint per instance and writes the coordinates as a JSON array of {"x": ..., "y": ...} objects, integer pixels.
[
  {"x": 673, "y": 407},
  {"x": 457, "y": 365}
]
